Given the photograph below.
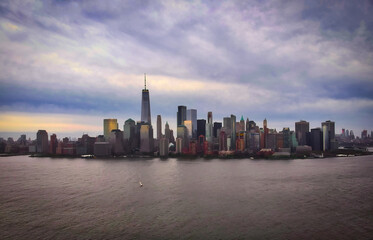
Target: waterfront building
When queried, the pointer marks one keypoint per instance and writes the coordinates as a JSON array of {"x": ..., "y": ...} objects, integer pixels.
[
  {"x": 53, "y": 144},
  {"x": 271, "y": 141},
  {"x": 116, "y": 141},
  {"x": 222, "y": 140},
  {"x": 286, "y": 137},
  {"x": 42, "y": 141},
  {"x": 146, "y": 138},
  {"x": 159, "y": 127},
  {"x": 209, "y": 128},
  {"x": 279, "y": 140},
  {"x": 181, "y": 115},
  {"x": 316, "y": 139},
  {"x": 145, "y": 105},
  {"x": 302, "y": 128},
  {"x": 109, "y": 125},
  {"x": 182, "y": 132},
  {"x": 129, "y": 135},
  {"x": 329, "y": 142},
  {"x": 163, "y": 147},
  {"x": 265, "y": 133},
  {"x": 179, "y": 145},
  {"x": 192, "y": 115},
  {"x": 102, "y": 149}
]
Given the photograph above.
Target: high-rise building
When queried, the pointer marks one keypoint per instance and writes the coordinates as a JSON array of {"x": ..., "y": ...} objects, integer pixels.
[
  {"x": 209, "y": 128},
  {"x": 242, "y": 125},
  {"x": 129, "y": 135},
  {"x": 145, "y": 105},
  {"x": 233, "y": 131},
  {"x": 265, "y": 132},
  {"x": 201, "y": 127},
  {"x": 217, "y": 126},
  {"x": 192, "y": 115},
  {"x": 109, "y": 125},
  {"x": 42, "y": 141},
  {"x": 182, "y": 132},
  {"x": 146, "y": 138},
  {"x": 159, "y": 127},
  {"x": 247, "y": 124},
  {"x": 181, "y": 115},
  {"x": 316, "y": 139},
  {"x": 301, "y": 129},
  {"x": 167, "y": 132},
  {"x": 222, "y": 140},
  {"x": 163, "y": 147},
  {"x": 227, "y": 126},
  {"x": 329, "y": 142},
  {"x": 116, "y": 141},
  {"x": 364, "y": 134},
  {"x": 188, "y": 125},
  {"x": 53, "y": 144}
]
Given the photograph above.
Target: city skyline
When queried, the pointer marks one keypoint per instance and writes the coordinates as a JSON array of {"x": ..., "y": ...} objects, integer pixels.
[{"x": 66, "y": 65}]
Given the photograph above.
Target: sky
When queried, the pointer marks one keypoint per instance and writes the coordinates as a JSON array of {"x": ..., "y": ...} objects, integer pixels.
[{"x": 67, "y": 65}]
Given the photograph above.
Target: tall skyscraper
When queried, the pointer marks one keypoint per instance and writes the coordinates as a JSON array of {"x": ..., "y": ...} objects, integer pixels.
[
  {"x": 181, "y": 115},
  {"x": 227, "y": 126},
  {"x": 42, "y": 141},
  {"x": 129, "y": 135},
  {"x": 209, "y": 127},
  {"x": 201, "y": 127},
  {"x": 146, "y": 138},
  {"x": 188, "y": 125},
  {"x": 145, "y": 105},
  {"x": 328, "y": 128},
  {"x": 167, "y": 132},
  {"x": 159, "y": 127},
  {"x": 109, "y": 125},
  {"x": 316, "y": 139},
  {"x": 265, "y": 132},
  {"x": 233, "y": 133},
  {"x": 192, "y": 115},
  {"x": 217, "y": 126},
  {"x": 242, "y": 124},
  {"x": 301, "y": 130},
  {"x": 53, "y": 144},
  {"x": 247, "y": 124}
]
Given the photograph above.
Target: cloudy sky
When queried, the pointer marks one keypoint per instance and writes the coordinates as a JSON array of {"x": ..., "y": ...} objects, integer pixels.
[{"x": 66, "y": 65}]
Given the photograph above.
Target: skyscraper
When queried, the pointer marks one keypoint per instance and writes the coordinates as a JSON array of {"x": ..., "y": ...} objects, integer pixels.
[
  {"x": 159, "y": 127},
  {"x": 233, "y": 131},
  {"x": 192, "y": 115},
  {"x": 167, "y": 132},
  {"x": 109, "y": 125},
  {"x": 328, "y": 128},
  {"x": 181, "y": 115},
  {"x": 146, "y": 138},
  {"x": 316, "y": 139},
  {"x": 301, "y": 130},
  {"x": 265, "y": 132},
  {"x": 217, "y": 126},
  {"x": 42, "y": 141},
  {"x": 145, "y": 105},
  {"x": 201, "y": 127},
  {"x": 209, "y": 127}
]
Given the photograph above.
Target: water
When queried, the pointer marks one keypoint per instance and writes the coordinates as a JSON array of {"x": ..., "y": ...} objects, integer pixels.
[{"x": 42, "y": 198}]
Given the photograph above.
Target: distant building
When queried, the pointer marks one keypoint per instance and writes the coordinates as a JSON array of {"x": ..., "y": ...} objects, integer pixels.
[
  {"x": 192, "y": 116},
  {"x": 159, "y": 127},
  {"x": 145, "y": 105},
  {"x": 102, "y": 149},
  {"x": 233, "y": 131},
  {"x": 163, "y": 147},
  {"x": 42, "y": 141},
  {"x": 116, "y": 141},
  {"x": 179, "y": 145},
  {"x": 188, "y": 125},
  {"x": 181, "y": 115},
  {"x": 109, "y": 125},
  {"x": 329, "y": 142},
  {"x": 209, "y": 128},
  {"x": 217, "y": 126},
  {"x": 129, "y": 135},
  {"x": 53, "y": 144},
  {"x": 146, "y": 138},
  {"x": 316, "y": 139},
  {"x": 301, "y": 130},
  {"x": 201, "y": 127},
  {"x": 182, "y": 132}
]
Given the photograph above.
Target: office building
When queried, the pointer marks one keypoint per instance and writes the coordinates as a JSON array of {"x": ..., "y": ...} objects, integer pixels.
[
  {"x": 146, "y": 138},
  {"x": 159, "y": 127},
  {"x": 329, "y": 142},
  {"x": 192, "y": 115},
  {"x": 302, "y": 128},
  {"x": 109, "y": 125},
  {"x": 233, "y": 131},
  {"x": 201, "y": 127},
  {"x": 145, "y": 105},
  {"x": 181, "y": 115},
  {"x": 53, "y": 144},
  {"x": 217, "y": 126},
  {"x": 316, "y": 139},
  {"x": 42, "y": 141}
]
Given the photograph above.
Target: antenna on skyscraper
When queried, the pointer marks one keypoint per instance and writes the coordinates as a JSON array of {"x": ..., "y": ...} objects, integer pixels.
[{"x": 145, "y": 80}]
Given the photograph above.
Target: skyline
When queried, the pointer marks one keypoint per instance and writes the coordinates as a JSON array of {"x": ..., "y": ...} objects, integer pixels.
[{"x": 68, "y": 65}]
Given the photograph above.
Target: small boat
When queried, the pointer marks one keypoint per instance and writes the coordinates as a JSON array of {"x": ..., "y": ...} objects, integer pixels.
[{"x": 140, "y": 184}]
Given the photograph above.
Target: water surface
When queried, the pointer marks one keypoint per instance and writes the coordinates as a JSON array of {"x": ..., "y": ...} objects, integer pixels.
[{"x": 43, "y": 198}]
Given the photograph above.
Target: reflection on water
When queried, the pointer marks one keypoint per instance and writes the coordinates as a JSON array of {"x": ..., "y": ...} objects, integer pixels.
[{"x": 230, "y": 199}]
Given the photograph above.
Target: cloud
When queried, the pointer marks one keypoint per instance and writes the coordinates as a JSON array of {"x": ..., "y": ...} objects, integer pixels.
[{"x": 276, "y": 59}]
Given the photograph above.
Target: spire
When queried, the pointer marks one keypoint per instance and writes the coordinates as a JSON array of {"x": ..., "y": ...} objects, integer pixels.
[
  {"x": 145, "y": 80},
  {"x": 242, "y": 118}
]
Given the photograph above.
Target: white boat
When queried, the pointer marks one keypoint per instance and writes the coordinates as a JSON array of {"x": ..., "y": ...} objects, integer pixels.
[{"x": 140, "y": 184}]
